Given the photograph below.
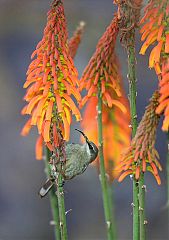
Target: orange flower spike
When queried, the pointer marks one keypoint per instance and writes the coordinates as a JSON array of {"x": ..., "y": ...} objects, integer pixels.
[
  {"x": 155, "y": 19},
  {"x": 51, "y": 76},
  {"x": 142, "y": 151},
  {"x": 102, "y": 65},
  {"x": 76, "y": 39},
  {"x": 163, "y": 107},
  {"x": 112, "y": 126}
]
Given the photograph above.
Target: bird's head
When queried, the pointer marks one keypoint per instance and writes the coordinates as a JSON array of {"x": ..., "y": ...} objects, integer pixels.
[{"x": 92, "y": 149}]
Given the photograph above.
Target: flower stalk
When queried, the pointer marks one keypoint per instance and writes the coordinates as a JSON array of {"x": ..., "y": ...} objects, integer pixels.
[
  {"x": 103, "y": 178},
  {"x": 132, "y": 100},
  {"x": 61, "y": 204},
  {"x": 129, "y": 13},
  {"x": 142, "y": 189},
  {"x": 53, "y": 200}
]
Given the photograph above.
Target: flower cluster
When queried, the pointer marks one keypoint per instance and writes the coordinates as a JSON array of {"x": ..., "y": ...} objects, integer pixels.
[
  {"x": 102, "y": 67},
  {"x": 76, "y": 39},
  {"x": 155, "y": 29},
  {"x": 142, "y": 155},
  {"x": 164, "y": 95},
  {"x": 51, "y": 80}
]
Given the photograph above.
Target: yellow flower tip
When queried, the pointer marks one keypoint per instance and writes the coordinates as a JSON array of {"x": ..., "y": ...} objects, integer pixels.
[
  {"x": 119, "y": 105},
  {"x": 157, "y": 68},
  {"x": 165, "y": 126},
  {"x": 157, "y": 177},
  {"x": 78, "y": 118},
  {"x": 142, "y": 52}
]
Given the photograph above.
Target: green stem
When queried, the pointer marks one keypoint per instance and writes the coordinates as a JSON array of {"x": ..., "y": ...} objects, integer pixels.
[
  {"x": 103, "y": 178},
  {"x": 62, "y": 213},
  {"x": 111, "y": 202},
  {"x": 53, "y": 199},
  {"x": 132, "y": 99},
  {"x": 142, "y": 207}
]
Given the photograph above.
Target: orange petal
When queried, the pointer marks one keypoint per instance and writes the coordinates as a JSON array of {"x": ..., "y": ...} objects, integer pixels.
[
  {"x": 76, "y": 93},
  {"x": 49, "y": 111},
  {"x": 91, "y": 91},
  {"x": 73, "y": 107},
  {"x": 165, "y": 126},
  {"x": 144, "y": 165},
  {"x": 39, "y": 148},
  {"x": 46, "y": 132},
  {"x": 66, "y": 128},
  {"x": 154, "y": 168},
  {"x": 125, "y": 174},
  {"x": 68, "y": 115},
  {"x": 119, "y": 105},
  {"x": 152, "y": 58},
  {"x": 26, "y": 128},
  {"x": 108, "y": 99},
  {"x": 32, "y": 103},
  {"x": 34, "y": 117},
  {"x": 167, "y": 43},
  {"x": 46, "y": 89},
  {"x": 49, "y": 145},
  {"x": 160, "y": 32},
  {"x": 136, "y": 156},
  {"x": 137, "y": 174},
  {"x": 162, "y": 106},
  {"x": 40, "y": 106},
  {"x": 158, "y": 51},
  {"x": 157, "y": 177},
  {"x": 59, "y": 103},
  {"x": 157, "y": 68},
  {"x": 23, "y": 111},
  {"x": 40, "y": 121}
]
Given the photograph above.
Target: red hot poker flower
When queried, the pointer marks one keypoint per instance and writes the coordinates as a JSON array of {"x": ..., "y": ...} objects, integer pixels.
[
  {"x": 155, "y": 30},
  {"x": 116, "y": 131},
  {"x": 76, "y": 39},
  {"x": 142, "y": 155},
  {"x": 51, "y": 80},
  {"x": 164, "y": 95},
  {"x": 102, "y": 67}
]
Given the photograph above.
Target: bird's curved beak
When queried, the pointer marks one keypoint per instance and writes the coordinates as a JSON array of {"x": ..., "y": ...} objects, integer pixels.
[{"x": 86, "y": 138}]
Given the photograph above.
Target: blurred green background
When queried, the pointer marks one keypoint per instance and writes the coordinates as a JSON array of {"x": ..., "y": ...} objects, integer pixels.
[{"x": 23, "y": 215}]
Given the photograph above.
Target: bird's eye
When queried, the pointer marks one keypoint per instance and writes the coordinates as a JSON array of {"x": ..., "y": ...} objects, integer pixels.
[{"x": 91, "y": 147}]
